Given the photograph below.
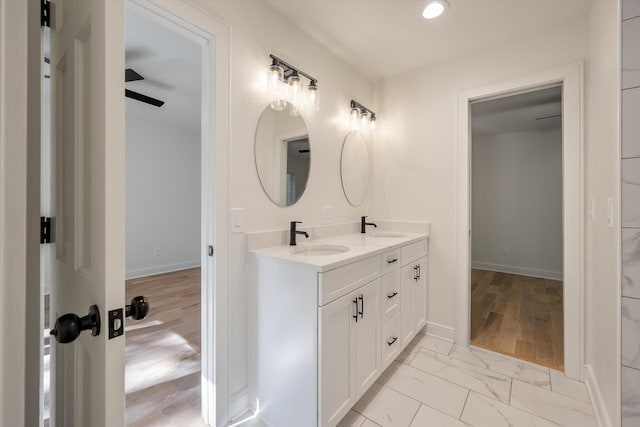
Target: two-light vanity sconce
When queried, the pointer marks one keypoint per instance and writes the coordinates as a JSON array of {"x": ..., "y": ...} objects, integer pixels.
[{"x": 285, "y": 88}]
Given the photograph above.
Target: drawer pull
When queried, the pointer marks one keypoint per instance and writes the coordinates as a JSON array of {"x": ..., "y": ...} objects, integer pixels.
[
  {"x": 391, "y": 261},
  {"x": 392, "y": 295},
  {"x": 355, "y": 316},
  {"x": 361, "y": 298},
  {"x": 390, "y": 343}
]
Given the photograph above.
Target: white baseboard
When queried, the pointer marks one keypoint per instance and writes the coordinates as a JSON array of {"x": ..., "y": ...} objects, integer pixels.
[
  {"x": 602, "y": 415},
  {"x": 522, "y": 271},
  {"x": 239, "y": 404},
  {"x": 159, "y": 269},
  {"x": 440, "y": 331}
]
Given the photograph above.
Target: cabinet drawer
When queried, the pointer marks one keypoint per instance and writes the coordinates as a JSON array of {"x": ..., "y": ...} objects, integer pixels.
[
  {"x": 336, "y": 283},
  {"x": 390, "y": 261},
  {"x": 390, "y": 341},
  {"x": 390, "y": 295},
  {"x": 413, "y": 251}
]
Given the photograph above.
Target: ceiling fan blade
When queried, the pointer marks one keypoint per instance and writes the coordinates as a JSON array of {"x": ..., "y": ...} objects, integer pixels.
[
  {"x": 549, "y": 117},
  {"x": 143, "y": 98},
  {"x": 131, "y": 76}
]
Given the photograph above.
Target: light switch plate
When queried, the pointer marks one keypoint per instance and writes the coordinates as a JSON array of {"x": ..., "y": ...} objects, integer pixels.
[
  {"x": 237, "y": 220},
  {"x": 327, "y": 215}
]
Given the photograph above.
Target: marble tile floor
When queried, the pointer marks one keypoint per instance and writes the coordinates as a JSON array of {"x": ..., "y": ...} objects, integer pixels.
[{"x": 436, "y": 384}]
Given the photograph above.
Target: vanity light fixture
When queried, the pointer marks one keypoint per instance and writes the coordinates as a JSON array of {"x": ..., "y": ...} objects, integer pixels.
[
  {"x": 361, "y": 117},
  {"x": 285, "y": 86},
  {"x": 435, "y": 8}
]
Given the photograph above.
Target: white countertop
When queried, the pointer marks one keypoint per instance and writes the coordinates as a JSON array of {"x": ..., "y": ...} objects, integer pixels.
[{"x": 360, "y": 246}]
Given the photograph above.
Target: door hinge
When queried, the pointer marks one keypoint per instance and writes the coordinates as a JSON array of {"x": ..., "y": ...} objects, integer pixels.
[
  {"x": 45, "y": 13},
  {"x": 211, "y": 250},
  {"x": 46, "y": 230}
]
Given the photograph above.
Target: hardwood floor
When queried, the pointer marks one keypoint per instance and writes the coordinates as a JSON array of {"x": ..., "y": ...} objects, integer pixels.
[
  {"x": 162, "y": 381},
  {"x": 519, "y": 316}
]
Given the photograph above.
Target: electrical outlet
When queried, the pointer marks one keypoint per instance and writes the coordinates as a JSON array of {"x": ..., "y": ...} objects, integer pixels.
[
  {"x": 505, "y": 252},
  {"x": 327, "y": 216},
  {"x": 156, "y": 251}
]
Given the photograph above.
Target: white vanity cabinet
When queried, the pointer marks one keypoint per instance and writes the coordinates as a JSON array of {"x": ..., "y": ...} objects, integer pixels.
[
  {"x": 349, "y": 358},
  {"x": 326, "y": 328}
]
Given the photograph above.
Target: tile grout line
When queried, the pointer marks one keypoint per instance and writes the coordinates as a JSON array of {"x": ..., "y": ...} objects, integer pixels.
[
  {"x": 631, "y": 367},
  {"x": 466, "y": 399},
  {"x": 415, "y": 415}
]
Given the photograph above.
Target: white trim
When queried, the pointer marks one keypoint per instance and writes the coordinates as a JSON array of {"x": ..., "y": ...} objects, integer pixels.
[
  {"x": 239, "y": 404},
  {"x": 436, "y": 330},
  {"x": 521, "y": 271},
  {"x": 593, "y": 389},
  {"x": 213, "y": 35},
  {"x": 571, "y": 77},
  {"x": 160, "y": 269}
]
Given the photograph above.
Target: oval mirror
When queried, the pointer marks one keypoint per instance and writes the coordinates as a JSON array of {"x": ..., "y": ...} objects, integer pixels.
[
  {"x": 354, "y": 168},
  {"x": 283, "y": 155}
]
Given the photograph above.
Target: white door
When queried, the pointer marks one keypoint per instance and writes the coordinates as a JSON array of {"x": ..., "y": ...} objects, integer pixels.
[
  {"x": 87, "y": 76},
  {"x": 367, "y": 337},
  {"x": 336, "y": 377},
  {"x": 420, "y": 295}
]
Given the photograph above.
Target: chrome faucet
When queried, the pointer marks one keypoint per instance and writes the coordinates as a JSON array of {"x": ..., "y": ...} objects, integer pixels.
[
  {"x": 363, "y": 224},
  {"x": 293, "y": 233}
]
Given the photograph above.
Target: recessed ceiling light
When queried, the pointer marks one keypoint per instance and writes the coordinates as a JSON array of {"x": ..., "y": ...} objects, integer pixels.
[{"x": 435, "y": 8}]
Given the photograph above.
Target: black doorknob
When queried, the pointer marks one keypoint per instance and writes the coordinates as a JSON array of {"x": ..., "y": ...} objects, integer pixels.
[
  {"x": 138, "y": 309},
  {"x": 68, "y": 326}
]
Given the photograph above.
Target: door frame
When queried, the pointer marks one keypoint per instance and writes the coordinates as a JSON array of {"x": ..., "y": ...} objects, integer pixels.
[
  {"x": 213, "y": 35},
  {"x": 571, "y": 78}
]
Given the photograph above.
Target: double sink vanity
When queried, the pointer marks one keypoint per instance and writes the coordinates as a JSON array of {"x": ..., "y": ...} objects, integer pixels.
[{"x": 330, "y": 316}]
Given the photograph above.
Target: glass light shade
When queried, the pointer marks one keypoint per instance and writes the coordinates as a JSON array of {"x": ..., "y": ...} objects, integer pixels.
[
  {"x": 275, "y": 87},
  {"x": 435, "y": 8},
  {"x": 354, "y": 121},
  {"x": 313, "y": 97},
  {"x": 364, "y": 120},
  {"x": 372, "y": 123},
  {"x": 295, "y": 89},
  {"x": 294, "y": 110}
]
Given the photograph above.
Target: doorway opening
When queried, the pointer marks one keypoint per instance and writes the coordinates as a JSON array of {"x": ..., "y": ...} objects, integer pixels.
[
  {"x": 163, "y": 222},
  {"x": 517, "y": 226}
]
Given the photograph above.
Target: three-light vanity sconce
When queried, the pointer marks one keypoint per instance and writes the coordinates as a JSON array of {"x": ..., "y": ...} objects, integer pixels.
[
  {"x": 361, "y": 117},
  {"x": 285, "y": 88}
]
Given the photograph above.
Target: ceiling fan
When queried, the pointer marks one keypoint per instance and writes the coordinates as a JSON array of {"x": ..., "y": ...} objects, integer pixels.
[
  {"x": 132, "y": 76},
  {"x": 129, "y": 76}
]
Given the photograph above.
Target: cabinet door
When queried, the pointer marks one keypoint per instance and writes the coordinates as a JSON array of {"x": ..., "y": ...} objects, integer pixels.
[
  {"x": 407, "y": 283},
  {"x": 336, "y": 376},
  {"x": 419, "y": 299},
  {"x": 367, "y": 337}
]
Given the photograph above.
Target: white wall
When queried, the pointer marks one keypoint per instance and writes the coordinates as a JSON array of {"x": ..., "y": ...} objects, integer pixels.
[
  {"x": 517, "y": 202},
  {"x": 417, "y": 139},
  {"x": 256, "y": 31},
  {"x": 163, "y": 197},
  {"x": 602, "y": 245}
]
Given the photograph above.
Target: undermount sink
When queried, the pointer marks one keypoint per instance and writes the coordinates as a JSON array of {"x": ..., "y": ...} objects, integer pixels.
[
  {"x": 319, "y": 250},
  {"x": 386, "y": 234}
]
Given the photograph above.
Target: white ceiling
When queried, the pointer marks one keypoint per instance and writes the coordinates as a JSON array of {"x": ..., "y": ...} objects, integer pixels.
[
  {"x": 171, "y": 67},
  {"x": 382, "y": 38},
  {"x": 522, "y": 112}
]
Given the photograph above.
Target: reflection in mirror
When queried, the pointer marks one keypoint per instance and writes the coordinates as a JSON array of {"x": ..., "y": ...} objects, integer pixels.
[
  {"x": 354, "y": 168},
  {"x": 283, "y": 155}
]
